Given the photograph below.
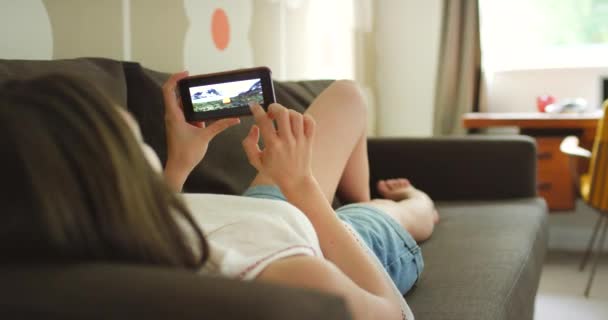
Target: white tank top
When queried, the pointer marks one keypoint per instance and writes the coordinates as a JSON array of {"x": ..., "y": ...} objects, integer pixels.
[{"x": 246, "y": 234}]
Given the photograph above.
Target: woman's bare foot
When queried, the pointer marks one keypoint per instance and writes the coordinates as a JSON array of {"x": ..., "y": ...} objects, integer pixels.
[
  {"x": 400, "y": 189},
  {"x": 394, "y": 189}
]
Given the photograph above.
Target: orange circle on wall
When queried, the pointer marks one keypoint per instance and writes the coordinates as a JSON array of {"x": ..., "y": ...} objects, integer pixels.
[{"x": 220, "y": 29}]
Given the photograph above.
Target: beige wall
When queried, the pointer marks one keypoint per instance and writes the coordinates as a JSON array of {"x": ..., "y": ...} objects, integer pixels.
[
  {"x": 86, "y": 28},
  {"x": 25, "y": 38},
  {"x": 158, "y": 30},
  {"x": 407, "y": 47},
  {"x": 394, "y": 43},
  {"x": 265, "y": 26},
  {"x": 153, "y": 32}
]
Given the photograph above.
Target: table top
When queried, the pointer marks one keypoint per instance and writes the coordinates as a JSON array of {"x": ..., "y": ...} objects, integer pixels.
[{"x": 531, "y": 120}]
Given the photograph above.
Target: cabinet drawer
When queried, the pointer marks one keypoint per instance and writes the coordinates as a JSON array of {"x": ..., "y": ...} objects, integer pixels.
[
  {"x": 547, "y": 148},
  {"x": 554, "y": 180},
  {"x": 558, "y": 193}
]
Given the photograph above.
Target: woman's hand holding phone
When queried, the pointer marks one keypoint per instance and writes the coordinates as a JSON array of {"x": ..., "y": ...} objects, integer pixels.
[
  {"x": 287, "y": 154},
  {"x": 187, "y": 142}
]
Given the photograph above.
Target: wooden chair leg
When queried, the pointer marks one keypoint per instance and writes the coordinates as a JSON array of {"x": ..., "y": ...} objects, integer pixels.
[
  {"x": 591, "y": 243},
  {"x": 598, "y": 254}
]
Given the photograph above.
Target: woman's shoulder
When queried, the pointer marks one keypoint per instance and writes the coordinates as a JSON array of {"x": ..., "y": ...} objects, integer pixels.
[
  {"x": 210, "y": 206},
  {"x": 208, "y": 202},
  {"x": 246, "y": 234},
  {"x": 234, "y": 216}
]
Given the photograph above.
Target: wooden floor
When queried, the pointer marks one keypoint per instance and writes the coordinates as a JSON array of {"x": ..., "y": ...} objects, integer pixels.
[{"x": 560, "y": 295}]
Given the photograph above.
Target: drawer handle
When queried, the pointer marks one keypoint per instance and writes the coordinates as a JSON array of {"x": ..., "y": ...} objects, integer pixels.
[
  {"x": 544, "y": 155},
  {"x": 544, "y": 186}
]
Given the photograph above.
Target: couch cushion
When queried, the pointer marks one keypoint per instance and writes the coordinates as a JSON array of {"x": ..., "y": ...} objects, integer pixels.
[
  {"x": 483, "y": 261},
  {"x": 106, "y": 74},
  {"x": 145, "y": 102}
]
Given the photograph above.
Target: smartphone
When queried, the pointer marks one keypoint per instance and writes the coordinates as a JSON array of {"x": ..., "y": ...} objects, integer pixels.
[{"x": 225, "y": 94}]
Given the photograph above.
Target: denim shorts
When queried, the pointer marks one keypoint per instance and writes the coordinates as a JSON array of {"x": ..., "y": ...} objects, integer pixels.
[{"x": 397, "y": 251}]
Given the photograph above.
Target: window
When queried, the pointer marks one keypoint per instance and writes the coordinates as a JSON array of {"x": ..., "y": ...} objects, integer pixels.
[{"x": 531, "y": 34}]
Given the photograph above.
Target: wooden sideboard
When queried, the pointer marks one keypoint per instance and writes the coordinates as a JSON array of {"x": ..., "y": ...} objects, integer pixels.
[{"x": 555, "y": 182}]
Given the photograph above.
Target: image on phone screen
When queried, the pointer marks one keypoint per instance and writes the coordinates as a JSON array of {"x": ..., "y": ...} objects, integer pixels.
[{"x": 226, "y": 95}]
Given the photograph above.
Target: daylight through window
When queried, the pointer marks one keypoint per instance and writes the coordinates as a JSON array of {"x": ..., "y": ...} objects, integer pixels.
[{"x": 528, "y": 34}]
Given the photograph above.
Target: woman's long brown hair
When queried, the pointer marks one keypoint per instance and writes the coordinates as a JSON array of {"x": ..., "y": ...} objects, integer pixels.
[{"x": 75, "y": 185}]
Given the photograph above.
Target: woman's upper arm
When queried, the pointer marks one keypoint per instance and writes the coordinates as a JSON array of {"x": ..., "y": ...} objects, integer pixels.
[{"x": 315, "y": 273}]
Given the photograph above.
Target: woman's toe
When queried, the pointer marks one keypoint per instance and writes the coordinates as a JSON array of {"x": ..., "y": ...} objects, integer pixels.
[
  {"x": 392, "y": 183},
  {"x": 382, "y": 186}
]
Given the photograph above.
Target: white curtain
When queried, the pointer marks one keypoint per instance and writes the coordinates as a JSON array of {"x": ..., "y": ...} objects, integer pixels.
[{"x": 315, "y": 39}]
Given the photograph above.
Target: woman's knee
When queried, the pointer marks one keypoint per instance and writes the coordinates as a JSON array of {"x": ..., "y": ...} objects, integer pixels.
[
  {"x": 350, "y": 92},
  {"x": 423, "y": 230}
]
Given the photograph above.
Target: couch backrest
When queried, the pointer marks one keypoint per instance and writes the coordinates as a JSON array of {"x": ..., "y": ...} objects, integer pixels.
[
  {"x": 225, "y": 168},
  {"x": 107, "y": 74}
]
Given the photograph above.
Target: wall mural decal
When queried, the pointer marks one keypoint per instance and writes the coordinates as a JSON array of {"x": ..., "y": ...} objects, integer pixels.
[
  {"x": 85, "y": 28},
  {"x": 29, "y": 38},
  {"x": 220, "y": 29},
  {"x": 218, "y": 36},
  {"x": 158, "y": 33}
]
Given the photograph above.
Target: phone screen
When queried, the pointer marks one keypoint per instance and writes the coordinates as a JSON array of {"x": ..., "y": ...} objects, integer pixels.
[{"x": 226, "y": 95}]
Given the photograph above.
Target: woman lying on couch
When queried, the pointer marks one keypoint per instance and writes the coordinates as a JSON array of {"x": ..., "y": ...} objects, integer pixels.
[{"x": 77, "y": 187}]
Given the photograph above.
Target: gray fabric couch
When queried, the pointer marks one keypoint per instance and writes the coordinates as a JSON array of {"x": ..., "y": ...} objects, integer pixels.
[{"x": 483, "y": 261}]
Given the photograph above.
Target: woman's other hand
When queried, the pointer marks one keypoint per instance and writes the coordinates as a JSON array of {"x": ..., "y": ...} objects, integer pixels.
[
  {"x": 187, "y": 142},
  {"x": 287, "y": 154}
]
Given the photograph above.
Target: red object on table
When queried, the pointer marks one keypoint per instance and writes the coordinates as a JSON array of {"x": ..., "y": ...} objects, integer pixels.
[{"x": 543, "y": 101}]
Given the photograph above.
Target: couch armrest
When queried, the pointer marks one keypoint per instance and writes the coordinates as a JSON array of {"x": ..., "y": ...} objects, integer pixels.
[
  {"x": 458, "y": 168},
  {"x": 120, "y": 291}
]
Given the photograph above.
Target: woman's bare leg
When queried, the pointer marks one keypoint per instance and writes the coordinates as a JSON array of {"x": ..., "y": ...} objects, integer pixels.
[
  {"x": 412, "y": 208},
  {"x": 354, "y": 183},
  {"x": 340, "y": 162},
  {"x": 340, "y": 147}
]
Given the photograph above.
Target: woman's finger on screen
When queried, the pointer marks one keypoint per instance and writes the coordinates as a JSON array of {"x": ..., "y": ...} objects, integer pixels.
[
  {"x": 281, "y": 114},
  {"x": 264, "y": 123}
]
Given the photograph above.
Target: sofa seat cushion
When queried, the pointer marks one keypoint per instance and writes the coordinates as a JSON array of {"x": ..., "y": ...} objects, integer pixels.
[{"x": 483, "y": 261}]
